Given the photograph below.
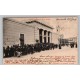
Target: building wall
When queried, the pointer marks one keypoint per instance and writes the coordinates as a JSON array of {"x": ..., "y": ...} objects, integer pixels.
[
  {"x": 72, "y": 39},
  {"x": 39, "y": 26},
  {"x": 12, "y": 31},
  {"x": 36, "y": 33}
]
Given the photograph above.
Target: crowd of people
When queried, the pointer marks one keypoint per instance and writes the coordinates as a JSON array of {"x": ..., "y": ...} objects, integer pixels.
[
  {"x": 73, "y": 45},
  {"x": 27, "y": 49},
  {"x": 17, "y": 50}
]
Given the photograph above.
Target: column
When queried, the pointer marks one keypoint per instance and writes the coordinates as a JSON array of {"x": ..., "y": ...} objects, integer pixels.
[
  {"x": 46, "y": 36},
  {"x": 50, "y": 37}
]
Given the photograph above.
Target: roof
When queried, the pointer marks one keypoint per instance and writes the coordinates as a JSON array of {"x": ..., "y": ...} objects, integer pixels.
[
  {"x": 29, "y": 22},
  {"x": 38, "y": 23},
  {"x": 16, "y": 21}
]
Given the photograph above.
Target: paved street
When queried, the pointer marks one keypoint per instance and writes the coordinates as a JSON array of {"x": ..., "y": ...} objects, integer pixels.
[{"x": 65, "y": 52}]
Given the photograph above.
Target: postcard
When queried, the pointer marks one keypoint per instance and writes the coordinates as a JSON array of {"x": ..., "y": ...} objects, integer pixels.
[{"x": 40, "y": 40}]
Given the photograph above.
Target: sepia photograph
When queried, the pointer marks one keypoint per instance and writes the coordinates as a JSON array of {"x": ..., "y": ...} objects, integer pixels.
[{"x": 40, "y": 40}]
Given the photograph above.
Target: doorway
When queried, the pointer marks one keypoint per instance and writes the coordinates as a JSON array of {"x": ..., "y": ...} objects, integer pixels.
[
  {"x": 21, "y": 39},
  {"x": 40, "y": 35}
]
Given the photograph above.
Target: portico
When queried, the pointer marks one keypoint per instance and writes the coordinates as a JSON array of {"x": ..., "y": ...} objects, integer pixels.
[{"x": 44, "y": 36}]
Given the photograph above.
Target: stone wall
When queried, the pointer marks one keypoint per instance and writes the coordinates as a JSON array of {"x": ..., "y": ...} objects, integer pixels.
[{"x": 12, "y": 31}]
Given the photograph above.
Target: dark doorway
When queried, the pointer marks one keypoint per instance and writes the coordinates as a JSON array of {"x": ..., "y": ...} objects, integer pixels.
[
  {"x": 48, "y": 37},
  {"x": 40, "y": 38},
  {"x": 45, "y": 36},
  {"x": 44, "y": 39},
  {"x": 40, "y": 35},
  {"x": 22, "y": 39}
]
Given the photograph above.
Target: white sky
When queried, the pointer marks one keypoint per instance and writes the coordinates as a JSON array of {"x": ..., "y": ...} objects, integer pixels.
[{"x": 68, "y": 25}]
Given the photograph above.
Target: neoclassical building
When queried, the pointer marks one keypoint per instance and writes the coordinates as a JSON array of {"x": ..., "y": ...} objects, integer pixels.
[{"x": 29, "y": 32}]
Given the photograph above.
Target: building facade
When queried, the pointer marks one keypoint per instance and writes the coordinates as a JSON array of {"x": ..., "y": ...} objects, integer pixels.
[{"x": 15, "y": 32}]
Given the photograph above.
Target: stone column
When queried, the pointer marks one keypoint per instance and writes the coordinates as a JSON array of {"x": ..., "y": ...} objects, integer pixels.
[
  {"x": 46, "y": 36},
  {"x": 50, "y": 37}
]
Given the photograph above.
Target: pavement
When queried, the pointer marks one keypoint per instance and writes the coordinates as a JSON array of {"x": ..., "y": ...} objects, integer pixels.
[{"x": 66, "y": 55}]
